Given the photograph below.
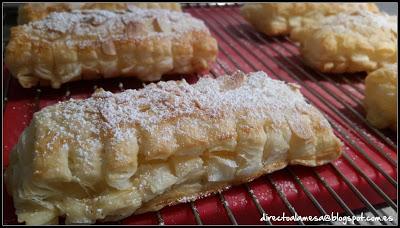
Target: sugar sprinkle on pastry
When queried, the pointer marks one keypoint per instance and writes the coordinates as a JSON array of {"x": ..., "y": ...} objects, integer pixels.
[
  {"x": 92, "y": 44},
  {"x": 348, "y": 42},
  {"x": 112, "y": 155}
]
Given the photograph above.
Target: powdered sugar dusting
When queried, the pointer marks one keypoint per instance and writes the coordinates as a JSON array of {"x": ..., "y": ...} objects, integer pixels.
[
  {"x": 102, "y": 24},
  {"x": 287, "y": 186},
  {"x": 346, "y": 21},
  {"x": 187, "y": 199},
  {"x": 254, "y": 96}
]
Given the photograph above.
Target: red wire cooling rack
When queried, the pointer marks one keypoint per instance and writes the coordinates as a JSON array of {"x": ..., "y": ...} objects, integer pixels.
[{"x": 364, "y": 178}]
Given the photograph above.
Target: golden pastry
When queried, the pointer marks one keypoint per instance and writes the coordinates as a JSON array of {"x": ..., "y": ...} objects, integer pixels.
[
  {"x": 36, "y": 11},
  {"x": 349, "y": 42},
  {"x": 112, "y": 155},
  {"x": 142, "y": 43},
  {"x": 381, "y": 97},
  {"x": 276, "y": 19}
]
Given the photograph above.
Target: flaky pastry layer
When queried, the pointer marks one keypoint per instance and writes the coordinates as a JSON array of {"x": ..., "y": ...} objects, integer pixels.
[
  {"x": 36, "y": 11},
  {"x": 112, "y": 155},
  {"x": 276, "y": 19},
  {"x": 381, "y": 97},
  {"x": 349, "y": 42},
  {"x": 142, "y": 43}
]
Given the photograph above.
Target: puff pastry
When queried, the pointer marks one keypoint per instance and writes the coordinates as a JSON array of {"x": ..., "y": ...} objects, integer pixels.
[
  {"x": 280, "y": 18},
  {"x": 112, "y": 155},
  {"x": 142, "y": 43},
  {"x": 349, "y": 42},
  {"x": 36, "y": 11},
  {"x": 381, "y": 97}
]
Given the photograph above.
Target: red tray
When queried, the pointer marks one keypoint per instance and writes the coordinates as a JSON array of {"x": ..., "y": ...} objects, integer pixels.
[{"x": 339, "y": 97}]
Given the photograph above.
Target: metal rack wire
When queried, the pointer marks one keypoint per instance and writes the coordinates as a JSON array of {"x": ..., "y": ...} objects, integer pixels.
[
  {"x": 223, "y": 21},
  {"x": 266, "y": 40}
]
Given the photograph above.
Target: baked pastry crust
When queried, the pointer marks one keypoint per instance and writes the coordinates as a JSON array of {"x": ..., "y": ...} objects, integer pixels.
[
  {"x": 381, "y": 97},
  {"x": 276, "y": 19},
  {"x": 112, "y": 155},
  {"x": 349, "y": 42},
  {"x": 142, "y": 43},
  {"x": 36, "y": 11}
]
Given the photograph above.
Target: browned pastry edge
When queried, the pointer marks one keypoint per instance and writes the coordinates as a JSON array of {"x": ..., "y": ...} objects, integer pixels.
[{"x": 159, "y": 202}]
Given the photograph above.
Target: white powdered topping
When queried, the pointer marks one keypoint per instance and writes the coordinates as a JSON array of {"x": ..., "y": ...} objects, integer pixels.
[
  {"x": 133, "y": 24},
  {"x": 59, "y": 22},
  {"x": 360, "y": 19},
  {"x": 254, "y": 96}
]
